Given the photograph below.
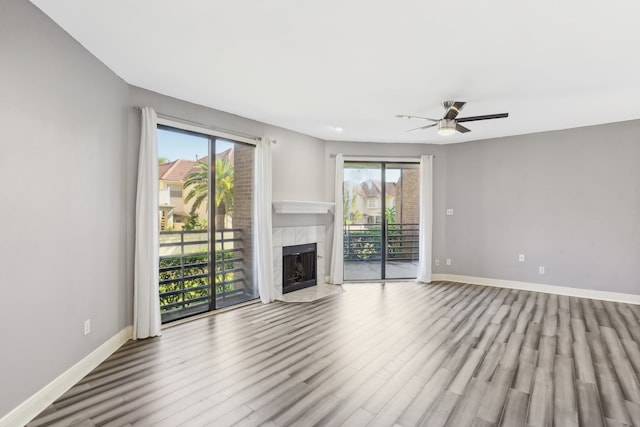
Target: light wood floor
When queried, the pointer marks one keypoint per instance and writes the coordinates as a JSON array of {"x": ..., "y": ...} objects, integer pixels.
[{"x": 378, "y": 355}]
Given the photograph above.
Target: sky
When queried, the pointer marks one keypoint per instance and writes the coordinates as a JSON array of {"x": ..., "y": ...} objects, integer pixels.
[
  {"x": 176, "y": 145},
  {"x": 358, "y": 175}
]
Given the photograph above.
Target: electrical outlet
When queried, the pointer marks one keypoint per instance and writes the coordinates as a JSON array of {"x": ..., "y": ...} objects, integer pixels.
[
  {"x": 448, "y": 261},
  {"x": 87, "y": 326},
  {"x": 521, "y": 258},
  {"x": 449, "y": 211},
  {"x": 437, "y": 261},
  {"x": 541, "y": 270}
]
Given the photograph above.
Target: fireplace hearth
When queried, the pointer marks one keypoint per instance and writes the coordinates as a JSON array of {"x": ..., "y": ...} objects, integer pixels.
[{"x": 298, "y": 267}]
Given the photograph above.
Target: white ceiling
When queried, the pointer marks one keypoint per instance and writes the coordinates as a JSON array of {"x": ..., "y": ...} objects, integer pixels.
[{"x": 310, "y": 66}]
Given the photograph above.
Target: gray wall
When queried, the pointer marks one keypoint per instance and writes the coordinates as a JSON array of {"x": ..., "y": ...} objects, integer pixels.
[
  {"x": 569, "y": 200},
  {"x": 64, "y": 211}
]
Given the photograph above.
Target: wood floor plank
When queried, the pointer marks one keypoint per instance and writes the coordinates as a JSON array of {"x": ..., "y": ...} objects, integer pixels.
[
  {"x": 465, "y": 411},
  {"x": 564, "y": 391},
  {"x": 515, "y": 411},
  {"x": 532, "y": 336},
  {"x": 508, "y": 325},
  {"x": 591, "y": 322},
  {"x": 441, "y": 410},
  {"x": 627, "y": 379},
  {"x": 497, "y": 391},
  {"x": 583, "y": 362},
  {"x": 490, "y": 361},
  {"x": 360, "y": 418},
  {"x": 633, "y": 353},
  {"x": 541, "y": 403},
  {"x": 488, "y": 336},
  {"x": 463, "y": 376},
  {"x": 549, "y": 325},
  {"x": 526, "y": 370},
  {"x": 398, "y": 404},
  {"x": 565, "y": 337},
  {"x": 565, "y": 417},
  {"x": 589, "y": 411},
  {"x": 418, "y": 409},
  {"x": 616, "y": 319},
  {"x": 546, "y": 352},
  {"x": 576, "y": 308},
  {"x": 396, "y": 354},
  {"x": 633, "y": 410},
  {"x": 512, "y": 350},
  {"x": 631, "y": 321},
  {"x": 612, "y": 340},
  {"x": 479, "y": 422}
]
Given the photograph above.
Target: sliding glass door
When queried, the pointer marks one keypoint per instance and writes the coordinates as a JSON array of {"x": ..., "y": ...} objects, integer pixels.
[
  {"x": 381, "y": 214},
  {"x": 206, "y": 223}
]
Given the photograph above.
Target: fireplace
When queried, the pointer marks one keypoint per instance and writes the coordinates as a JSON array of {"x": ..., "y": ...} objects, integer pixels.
[{"x": 298, "y": 267}]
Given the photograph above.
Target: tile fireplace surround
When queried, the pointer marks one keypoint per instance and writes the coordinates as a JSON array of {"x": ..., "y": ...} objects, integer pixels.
[{"x": 289, "y": 236}]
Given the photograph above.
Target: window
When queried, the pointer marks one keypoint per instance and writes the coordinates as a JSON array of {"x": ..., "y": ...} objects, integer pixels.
[{"x": 175, "y": 191}]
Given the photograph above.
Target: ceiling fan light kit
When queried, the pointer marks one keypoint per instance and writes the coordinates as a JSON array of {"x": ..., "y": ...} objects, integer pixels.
[
  {"x": 449, "y": 123},
  {"x": 446, "y": 127}
]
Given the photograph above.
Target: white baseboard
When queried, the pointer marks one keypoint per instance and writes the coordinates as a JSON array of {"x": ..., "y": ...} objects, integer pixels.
[
  {"x": 37, "y": 403},
  {"x": 539, "y": 287}
]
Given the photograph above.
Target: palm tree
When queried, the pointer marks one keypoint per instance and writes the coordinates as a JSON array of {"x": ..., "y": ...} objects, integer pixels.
[
  {"x": 224, "y": 181},
  {"x": 198, "y": 179}
]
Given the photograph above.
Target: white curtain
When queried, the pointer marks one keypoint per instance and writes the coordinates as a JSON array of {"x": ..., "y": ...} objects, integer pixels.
[
  {"x": 146, "y": 303},
  {"x": 263, "y": 248},
  {"x": 426, "y": 219},
  {"x": 337, "y": 262}
]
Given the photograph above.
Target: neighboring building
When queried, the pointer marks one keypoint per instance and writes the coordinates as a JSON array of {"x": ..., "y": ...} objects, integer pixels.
[
  {"x": 363, "y": 201},
  {"x": 407, "y": 197},
  {"x": 363, "y": 204},
  {"x": 171, "y": 177}
]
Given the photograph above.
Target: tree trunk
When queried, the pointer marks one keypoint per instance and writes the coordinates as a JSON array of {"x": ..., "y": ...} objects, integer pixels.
[{"x": 221, "y": 215}]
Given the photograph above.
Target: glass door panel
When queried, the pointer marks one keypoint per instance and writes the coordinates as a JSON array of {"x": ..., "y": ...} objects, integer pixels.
[
  {"x": 184, "y": 230},
  {"x": 232, "y": 215},
  {"x": 402, "y": 215},
  {"x": 363, "y": 221}
]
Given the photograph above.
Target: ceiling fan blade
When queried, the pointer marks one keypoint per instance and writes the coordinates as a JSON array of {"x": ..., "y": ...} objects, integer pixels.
[
  {"x": 404, "y": 116},
  {"x": 422, "y": 127},
  {"x": 462, "y": 129},
  {"x": 453, "y": 109},
  {"x": 487, "y": 117}
]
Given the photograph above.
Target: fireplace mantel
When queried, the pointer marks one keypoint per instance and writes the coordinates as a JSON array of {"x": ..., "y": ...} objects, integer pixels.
[{"x": 301, "y": 207}]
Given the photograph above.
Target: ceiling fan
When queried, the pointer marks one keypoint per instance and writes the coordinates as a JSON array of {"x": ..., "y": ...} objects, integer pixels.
[{"x": 449, "y": 123}]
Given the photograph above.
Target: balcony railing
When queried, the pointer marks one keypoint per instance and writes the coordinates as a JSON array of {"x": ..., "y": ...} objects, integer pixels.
[
  {"x": 364, "y": 242},
  {"x": 184, "y": 283}
]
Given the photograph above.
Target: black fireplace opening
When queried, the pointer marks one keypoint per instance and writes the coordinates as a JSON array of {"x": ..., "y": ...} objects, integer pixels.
[{"x": 298, "y": 267}]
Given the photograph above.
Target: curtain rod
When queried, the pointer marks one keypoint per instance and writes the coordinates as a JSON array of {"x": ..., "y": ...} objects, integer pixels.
[
  {"x": 417, "y": 157},
  {"x": 205, "y": 126}
]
